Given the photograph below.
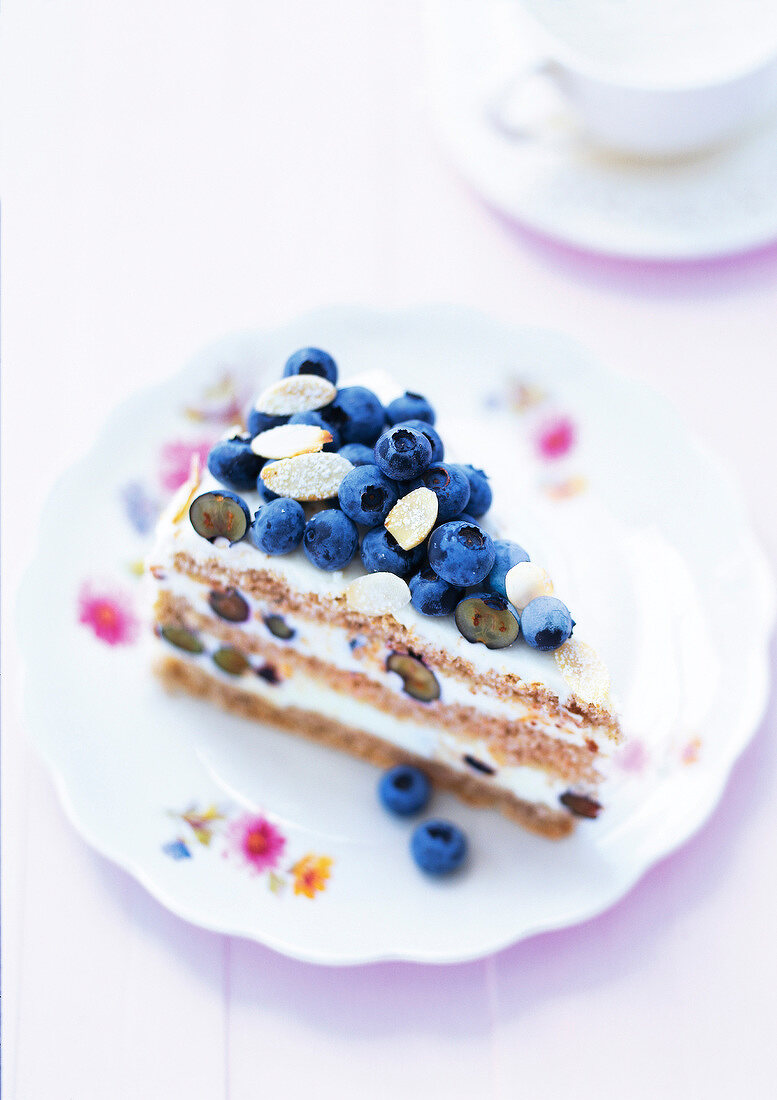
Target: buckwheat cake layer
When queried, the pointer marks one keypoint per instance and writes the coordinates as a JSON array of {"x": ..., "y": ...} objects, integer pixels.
[{"x": 507, "y": 730}]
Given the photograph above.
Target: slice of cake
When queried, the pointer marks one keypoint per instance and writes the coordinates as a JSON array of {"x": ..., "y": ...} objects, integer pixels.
[{"x": 332, "y": 574}]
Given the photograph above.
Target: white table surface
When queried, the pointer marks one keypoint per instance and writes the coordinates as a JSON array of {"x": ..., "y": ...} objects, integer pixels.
[{"x": 174, "y": 171}]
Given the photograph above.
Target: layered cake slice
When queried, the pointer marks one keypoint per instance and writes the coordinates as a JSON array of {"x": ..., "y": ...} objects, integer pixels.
[{"x": 334, "y": 575}]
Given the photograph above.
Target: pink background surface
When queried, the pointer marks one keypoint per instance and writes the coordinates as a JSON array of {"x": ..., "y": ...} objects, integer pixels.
[{"x": 179, "y": 171}]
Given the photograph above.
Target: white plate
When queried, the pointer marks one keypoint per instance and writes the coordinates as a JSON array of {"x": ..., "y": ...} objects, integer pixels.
[
  {"x": 704, "y": 206},
  {"x": 129, "y": 761}
]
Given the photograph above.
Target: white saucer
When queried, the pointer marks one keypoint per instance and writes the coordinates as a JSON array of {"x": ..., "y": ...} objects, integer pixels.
[
  {"x": 161, "y": 785},
  {"x": 711, "y": 205}
]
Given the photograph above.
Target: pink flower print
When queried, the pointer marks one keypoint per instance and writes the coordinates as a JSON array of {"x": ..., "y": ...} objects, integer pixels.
[
  {"x": 175, "y": 461},
  {"x": 258, "y": 841},
  {"x": 556, "y": 438},
  {"x": 109, "y": 616},
  {"x": 633, "y": 757}
]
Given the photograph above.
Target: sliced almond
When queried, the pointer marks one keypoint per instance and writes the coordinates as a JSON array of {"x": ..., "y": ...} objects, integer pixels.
[
  {"x": 186, "y": 492},
  {"x": 377, "y": 594},
  {"x": 289, "y": 440},
  {"x": 584, "y": 672},
  {"x": 412, "y": 518},
  {"x": 297, "y": 393},
  {"x": 307, "y": 477},
  {"x": 525, "y": 582}
]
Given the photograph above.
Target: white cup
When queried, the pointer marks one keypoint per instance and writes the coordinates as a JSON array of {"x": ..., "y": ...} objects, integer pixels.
[{"x": 666, "y": 113}]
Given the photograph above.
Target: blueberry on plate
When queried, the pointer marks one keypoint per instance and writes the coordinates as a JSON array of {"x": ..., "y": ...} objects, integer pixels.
[
  {"x": 381, "y": 553},
  {"x": 418, "y": 681},
  {"x": 330, "y": 539},
  {"x": 438, "y": 847},
  {"x": 403, "y": 453},
  {"x": 431, "y": 595},
  {"x": 506, "y": 555},
  {"x": 278, "y": 526},
  {"x": 257, "y": 422},
  {"x": 461, "y": 553},
  {"x": 480, "y": 495},
  {"x": 358, "y": 454},
  {"x": 357, "y": 415},
  {"x": 367, "y": 495},
  {"x": 317, "y": 421},
  {"x": 449, "y": 484},
  {"x": 312, "y": 361},
  {"x": 404, "y": 790},
  {"x": 487, "y": 618},
  {"x": 435, "y": 442},
  {"x": 546, "y": 623},
  {"x": 410, "y": 406},
  {"x": 219, "y": 514},
  {"x": 234, "y": 464}
]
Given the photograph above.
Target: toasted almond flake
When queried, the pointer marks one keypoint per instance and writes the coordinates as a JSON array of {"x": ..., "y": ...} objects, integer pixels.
[
  {"x": 412, "y": 518},
  {"x": 297, "y": 393},
  {"x": 584, "y": 672},
  {"x": 307, "y": 477},
  {"x": 289, "y": 440},
  {"x": 186, "y": 492},
  {"x": 377, "y": 594},
  {"x": 525, "y": 582}
]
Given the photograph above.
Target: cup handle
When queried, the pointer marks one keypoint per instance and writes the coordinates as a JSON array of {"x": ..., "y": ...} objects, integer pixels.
[{"x": 507, "y": 108}]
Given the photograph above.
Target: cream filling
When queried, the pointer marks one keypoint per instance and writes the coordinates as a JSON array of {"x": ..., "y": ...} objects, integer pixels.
[{"x": 299, "y": 690}]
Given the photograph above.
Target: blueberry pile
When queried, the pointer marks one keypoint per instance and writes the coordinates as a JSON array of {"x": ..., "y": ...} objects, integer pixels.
[{"x": 458, "y": 569}]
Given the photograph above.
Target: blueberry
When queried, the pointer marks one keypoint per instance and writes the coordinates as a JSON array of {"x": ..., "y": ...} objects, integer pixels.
[
  {"x": 404, "y": 790},
  {"x": 450, "y": 485},
  {"x": 219, "y": 515},
  {"x": 229, "y": 604},
  {"x": 381, "y": 553},
  {"x": 546, "y": 623},
  {"x": 438, "y": 847},
  {"x": 312, "y": 361},
  {"x": 431, "y": 595},
  {"x": 317, "y": 420},
  {"x": 234, "y": 464},
  {"x": 279, "y": 628},
  {"x": 465, "y": 517},
  {"x": 262, "y": 489},
  {"x": 581, "y": 805},
  {"x": 480, "y": 494},
  {"x": 330, "y": 539},
  {"x": 367, "y": 495},
  {"x": 262, "y": 422},
  {"x": 418, "y": 681},
  {"x": 357, "y": 415},
  {"x": 489, "y": 619},
  {"x": 506, "y": 555},
  {"x": 278, "y": 526},
  {"x": 358, "y": 454},
  {"x": 181, "y": 638},
  {"x": 410, "y": 406},
  {"x": 461, "y": 553},
  {"x": 435, "y": 442},
  {"x": 403, "y": 453}
]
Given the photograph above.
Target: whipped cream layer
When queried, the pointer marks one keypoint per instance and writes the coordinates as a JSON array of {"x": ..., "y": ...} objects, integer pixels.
[{"x": 300, "y": 690}]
